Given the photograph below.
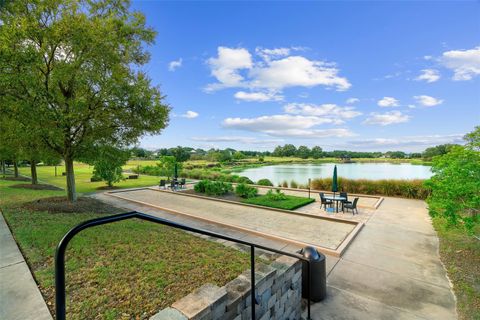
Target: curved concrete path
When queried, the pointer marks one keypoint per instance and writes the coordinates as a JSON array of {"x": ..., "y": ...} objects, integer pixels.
[{"x": 392, "y": 270}]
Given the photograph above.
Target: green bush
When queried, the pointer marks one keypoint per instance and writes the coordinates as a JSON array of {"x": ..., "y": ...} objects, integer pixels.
[
  {"x": 245, "y": 191},
  {"x": 414, "y": 189},
  {"x": 284, "y": 184},
  {"x": 244, "y": 180},
  {"x": 293, "y": 184},
  {"x": 213, "y": 188},
  {"x": 265, "y": 182},
  {"x": 276, "y": 196}
]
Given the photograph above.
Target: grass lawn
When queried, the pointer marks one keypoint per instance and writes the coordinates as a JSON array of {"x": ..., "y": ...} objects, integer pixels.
[
  {"x": 125, "y": 270},
  {"x": 290, "y": 203},
  {"x": 460, "y": 254},
  {"x": 83, "y": 173}
]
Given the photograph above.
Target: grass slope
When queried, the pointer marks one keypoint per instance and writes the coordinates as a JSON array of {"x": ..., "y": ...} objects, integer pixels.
[
  {"x": 460, "y": 254},
  {"x": 126, "y": 270},
  {"x": 83, "y": 173},
  {"x": 291, "y": 203}
]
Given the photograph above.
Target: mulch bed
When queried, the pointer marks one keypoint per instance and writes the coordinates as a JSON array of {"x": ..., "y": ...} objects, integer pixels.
[
  {"x": 16, "y": 178},
  {"x": 62, "y": 205},
  {"x": 108, "y": 188},
  {"x": 35, "y": 186}
]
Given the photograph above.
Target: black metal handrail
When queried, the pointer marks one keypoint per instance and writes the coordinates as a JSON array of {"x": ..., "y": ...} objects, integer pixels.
[{"x": 60, "y": 294}]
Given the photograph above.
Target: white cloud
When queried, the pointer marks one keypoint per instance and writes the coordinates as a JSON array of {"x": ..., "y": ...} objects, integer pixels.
[
  {"x": 409, "y": 141},
  {"x": 174, "y": 65},
  {"x": 258, "y": 96},
  {"x": 427, "y": 101},
  {"x": 388, "y": 102},
  {"x": 429, "y": 75},
  {"x": 352, "y": 100},
  {"x": 388, "y": 118},
  {"x": 238, "y": 139},
  {"x": 464, "y": 63},
  {"x": 276, "y": 70},
  {"x": 295, "y": 126},
  {"x": 324, "y": 110},
  {"x": 189, "y": 114},
  {"x": 297, "y": 71},
  {"x": 225, "y": 68}
]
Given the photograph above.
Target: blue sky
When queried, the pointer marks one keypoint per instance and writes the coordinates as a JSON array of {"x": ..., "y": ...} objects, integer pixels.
[{"x": 342, "y": 75}]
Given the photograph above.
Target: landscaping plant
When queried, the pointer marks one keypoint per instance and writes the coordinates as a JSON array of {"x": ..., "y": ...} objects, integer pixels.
[
  {"x": 265, "y": 182},
  {"x": 245, "y": 191}
]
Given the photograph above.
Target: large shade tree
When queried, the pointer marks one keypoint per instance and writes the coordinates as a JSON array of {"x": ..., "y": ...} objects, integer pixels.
[{"x": 73, "y": 70}]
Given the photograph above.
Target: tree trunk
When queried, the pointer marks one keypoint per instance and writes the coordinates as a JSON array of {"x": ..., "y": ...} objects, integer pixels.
[
  {"x": 71, "y": 192},
  {"x": 15, "y": 168},
  {"x": 3, "y": 168},
  {"x": 33, "y": 170}
]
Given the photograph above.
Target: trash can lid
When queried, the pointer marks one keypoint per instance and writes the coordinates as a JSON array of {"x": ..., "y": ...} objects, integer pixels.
[{"x": 310, "y": 253}]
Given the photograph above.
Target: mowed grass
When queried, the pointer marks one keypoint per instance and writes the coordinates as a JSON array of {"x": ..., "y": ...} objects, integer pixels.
[
  {"x": 290, "y": 203},
  {"x": 126, "y": 270},
  {"x": 460, "y": 254},
  {"x": 83, "y": 173}
]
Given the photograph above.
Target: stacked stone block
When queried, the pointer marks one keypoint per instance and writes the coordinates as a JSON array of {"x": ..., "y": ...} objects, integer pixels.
[{"x": 278, "y": 291}]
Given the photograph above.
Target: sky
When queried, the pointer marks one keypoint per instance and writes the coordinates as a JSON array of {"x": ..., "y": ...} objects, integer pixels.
[{"x": 364, "y": 76}]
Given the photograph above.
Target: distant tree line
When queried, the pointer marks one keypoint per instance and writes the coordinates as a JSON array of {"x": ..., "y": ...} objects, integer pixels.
[{"x": 288, "y": 150}]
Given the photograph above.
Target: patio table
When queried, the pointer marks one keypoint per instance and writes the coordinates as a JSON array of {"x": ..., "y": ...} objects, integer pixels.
[{"x": 336, "y": 199}]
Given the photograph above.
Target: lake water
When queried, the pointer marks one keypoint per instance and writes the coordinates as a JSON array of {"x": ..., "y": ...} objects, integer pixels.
[{"x": 302, "y": 172}]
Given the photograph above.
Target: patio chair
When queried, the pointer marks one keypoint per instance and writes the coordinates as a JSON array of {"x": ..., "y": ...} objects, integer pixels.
[
  {"x": 173, "y": 185},
  {"x": 325, "y": 202},
  {"x": 183, "y": 183},
  {"x": 352, "y": 206},
  {"x": 163, "y": 184},
  {"x": 343, "y": 202}
]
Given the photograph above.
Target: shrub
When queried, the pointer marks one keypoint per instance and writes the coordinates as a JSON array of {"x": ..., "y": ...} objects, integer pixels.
[
  {"x": 214, "y": 188},
  {"x": 285, "y": 184},
  {"x": 265, "y": 182},
  {"x": 293, "y": 184},
  {"x": 245, "y": 191},
  {"x": 276, "y": 196},
  {"x": 244, "y": 180},
  {"x": 414, "y": 189}
]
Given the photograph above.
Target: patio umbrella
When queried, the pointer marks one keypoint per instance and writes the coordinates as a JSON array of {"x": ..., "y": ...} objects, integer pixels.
[
  {"x": 175, "y": 174},
  {"x": 334, "y": 181}
]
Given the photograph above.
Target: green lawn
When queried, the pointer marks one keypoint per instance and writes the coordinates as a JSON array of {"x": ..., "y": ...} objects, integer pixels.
[
  {"x": 83, "y": 173},
  {"x": 117, "y": 271},
  {"x": 460, "y": 254},
  {"x": 290, "y": 203}
]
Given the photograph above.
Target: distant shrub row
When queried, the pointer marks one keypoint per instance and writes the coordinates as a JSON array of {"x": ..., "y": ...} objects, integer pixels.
[{"x": 413, "y": 189}]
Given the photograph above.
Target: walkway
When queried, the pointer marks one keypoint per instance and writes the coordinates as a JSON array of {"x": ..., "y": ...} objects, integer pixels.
[
  {"x": 319, "y": 232},
  {"x": 20, "y": 298},
  {"x": 392, "y": 270}
]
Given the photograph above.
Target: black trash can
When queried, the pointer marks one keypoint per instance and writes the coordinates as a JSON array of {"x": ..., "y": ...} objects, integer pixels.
[{"x": 318, "y": 274}]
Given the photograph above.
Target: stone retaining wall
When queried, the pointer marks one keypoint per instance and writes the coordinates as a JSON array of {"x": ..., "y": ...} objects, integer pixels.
[{"x": 278, "y": 290}]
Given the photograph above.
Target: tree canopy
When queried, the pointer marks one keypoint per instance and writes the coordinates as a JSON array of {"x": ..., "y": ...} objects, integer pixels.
[{"x": 72, "y": 70}]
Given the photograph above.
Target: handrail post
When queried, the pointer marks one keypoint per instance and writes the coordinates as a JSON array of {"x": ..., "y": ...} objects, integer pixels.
[{"x": 252, "y": 279}]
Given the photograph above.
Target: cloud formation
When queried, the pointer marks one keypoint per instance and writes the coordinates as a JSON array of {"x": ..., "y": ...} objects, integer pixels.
[
  {"x": 429, "y": 75},
  {"x": 409, "y": 141},
  {"x": 189, "y": 114},
  {"x": 174, "y": 65},
  {"x": 258, "y": 96},
  {"x": 388, "y": 102},
  {"x": 274, "y": 69},
  {"x": 239, "y": 139},
  {"x": 388, "y": 118},
  {"x": 428, "y": 101},
  {"x": 465, "y": 64},
  {"x": 324, "y": 110}
]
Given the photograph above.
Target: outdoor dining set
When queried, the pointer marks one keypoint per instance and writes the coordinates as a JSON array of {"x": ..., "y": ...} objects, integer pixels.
[
  {"x": 174, "y": 184},
  {"x": 340, "y": 201}
]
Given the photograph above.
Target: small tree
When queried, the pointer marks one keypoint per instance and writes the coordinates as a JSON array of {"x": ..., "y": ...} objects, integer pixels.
[
  {"x": 167, "y": 165},
  {"x": 303, "y": 152},
  {"x": 316, "y": 152},
  {"x": 107, "y": 164}
]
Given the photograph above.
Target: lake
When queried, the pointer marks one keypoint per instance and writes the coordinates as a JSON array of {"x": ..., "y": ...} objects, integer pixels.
[{"x": 302, "y": 172}]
